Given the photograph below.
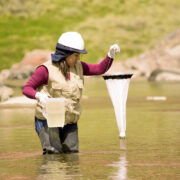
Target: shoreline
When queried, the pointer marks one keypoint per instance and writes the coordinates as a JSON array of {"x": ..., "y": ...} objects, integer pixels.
[{"x": 18, "y": 102}]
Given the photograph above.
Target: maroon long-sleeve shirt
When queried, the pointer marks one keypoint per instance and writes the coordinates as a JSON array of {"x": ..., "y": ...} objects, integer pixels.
[{"x": 40, "y": 75}]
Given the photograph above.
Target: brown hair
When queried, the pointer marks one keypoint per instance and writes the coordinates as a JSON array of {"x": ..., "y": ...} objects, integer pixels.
[{"x": 63, "y": 67}]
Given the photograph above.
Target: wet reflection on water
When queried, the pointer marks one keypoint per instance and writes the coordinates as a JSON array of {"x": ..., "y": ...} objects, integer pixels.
[
  {"x": 121, "y": 164},
  {"x": 152, "y": 150},
  {"x": 123, "y": 144},
  {"x": 64, "y": 166}
]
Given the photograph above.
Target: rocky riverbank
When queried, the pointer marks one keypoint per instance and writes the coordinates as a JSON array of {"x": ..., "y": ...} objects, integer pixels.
[{"x": 159, "y": 64}]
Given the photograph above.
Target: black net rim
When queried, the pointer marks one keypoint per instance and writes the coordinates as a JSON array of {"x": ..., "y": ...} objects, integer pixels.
[{"x": 117, "y": 76}]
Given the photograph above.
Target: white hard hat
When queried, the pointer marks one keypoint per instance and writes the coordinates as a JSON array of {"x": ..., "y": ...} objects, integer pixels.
[{"x": 72, "y": 41}]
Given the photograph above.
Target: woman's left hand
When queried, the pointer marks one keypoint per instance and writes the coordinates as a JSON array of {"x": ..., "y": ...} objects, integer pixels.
[{"x": 113, "y": 50}]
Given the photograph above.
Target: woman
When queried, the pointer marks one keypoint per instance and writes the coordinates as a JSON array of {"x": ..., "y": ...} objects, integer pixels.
[{"x": 62, "y": 76}]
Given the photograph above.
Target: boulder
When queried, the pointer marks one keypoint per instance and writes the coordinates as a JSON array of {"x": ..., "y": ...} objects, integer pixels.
[
  {"x": 164, "y": 75},
  {"x": 26, "y": 67},
  {"x": 168, "y": 76},
  {"x": 35, "y": 57},
  {"x": 21, "y": 72},
  {"x": 5, "y": 93},
  {"x": 4, "y": 74},
  {"x": 165, "y": 56}
]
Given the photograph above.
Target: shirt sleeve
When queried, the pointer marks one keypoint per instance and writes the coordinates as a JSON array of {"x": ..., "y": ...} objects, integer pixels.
[
  {"x": 39, "y": 77},
  {"x": 97, "y": 69}
]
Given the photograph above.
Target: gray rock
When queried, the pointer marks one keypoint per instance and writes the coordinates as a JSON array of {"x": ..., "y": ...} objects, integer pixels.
[
  {"x": 164, "y": 75},
  {"x": 161, "y": 63},
  {"x": 4, "y": 74},
  {"x": 30, "y": 61},
  {"x": 35, "y": 57},
  {"x": 21, "y": 72},
  {"x": 5, "y": 93}
]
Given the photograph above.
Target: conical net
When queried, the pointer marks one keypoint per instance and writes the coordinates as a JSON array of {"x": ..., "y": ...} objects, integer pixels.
[{"x": 117, "y": 86}]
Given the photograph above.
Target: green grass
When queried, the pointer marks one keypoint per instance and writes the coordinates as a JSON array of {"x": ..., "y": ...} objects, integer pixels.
[{"x": 137, "y": 25}]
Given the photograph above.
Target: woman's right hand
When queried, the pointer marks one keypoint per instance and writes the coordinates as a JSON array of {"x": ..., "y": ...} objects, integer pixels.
[{"x": 42, "y": 98}]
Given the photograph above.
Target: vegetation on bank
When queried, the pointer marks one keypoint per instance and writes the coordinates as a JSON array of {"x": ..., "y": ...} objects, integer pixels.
[{"x": 137, "y": 25}]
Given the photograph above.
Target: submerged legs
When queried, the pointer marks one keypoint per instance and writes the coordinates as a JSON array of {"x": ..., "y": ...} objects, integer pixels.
[{"x": 57, "y": 140}]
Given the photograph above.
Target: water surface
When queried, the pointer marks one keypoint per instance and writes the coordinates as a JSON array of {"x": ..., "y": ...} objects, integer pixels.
[{"x": 150, "y": 151}]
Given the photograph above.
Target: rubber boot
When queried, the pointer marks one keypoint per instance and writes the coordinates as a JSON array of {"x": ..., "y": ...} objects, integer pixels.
[
  {"x": 54, "y": 138},
  {"x": 44, "y": 138},
  {"x": 71, "y": 142}
]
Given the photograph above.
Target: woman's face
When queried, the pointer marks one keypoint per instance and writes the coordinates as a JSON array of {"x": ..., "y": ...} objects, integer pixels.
[{"x": 72, "y": 59}]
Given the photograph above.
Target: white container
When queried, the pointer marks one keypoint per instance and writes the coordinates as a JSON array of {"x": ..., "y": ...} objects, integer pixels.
[{"x": 55, "y": 112}]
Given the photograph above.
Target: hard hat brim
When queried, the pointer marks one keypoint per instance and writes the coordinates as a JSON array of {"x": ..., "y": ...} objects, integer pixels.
[{"x": 62, "y": 47}]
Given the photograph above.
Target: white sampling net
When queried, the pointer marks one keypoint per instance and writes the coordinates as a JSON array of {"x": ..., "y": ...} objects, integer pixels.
[{"x": 118, "y": 90}]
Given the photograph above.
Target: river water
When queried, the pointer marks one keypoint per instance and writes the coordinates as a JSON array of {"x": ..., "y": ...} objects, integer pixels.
[{"x": 151, "y": 149}]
